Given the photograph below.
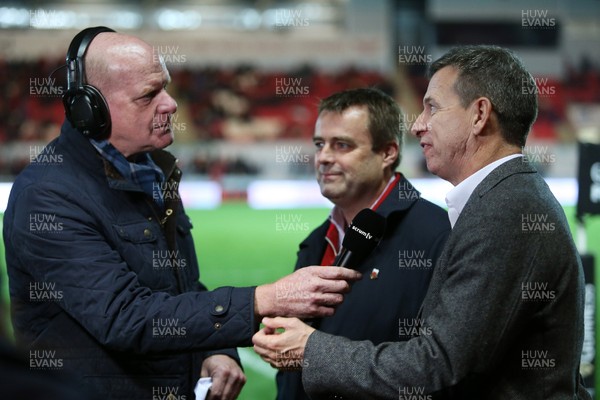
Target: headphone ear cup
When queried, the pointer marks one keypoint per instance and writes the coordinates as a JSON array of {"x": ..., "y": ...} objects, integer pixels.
[{"x": 88, "y": 112}]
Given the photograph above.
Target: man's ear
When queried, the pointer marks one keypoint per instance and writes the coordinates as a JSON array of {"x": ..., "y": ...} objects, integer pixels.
[
  {"x": 390, "y": 153},
  {"x": 482, "y": 111}
]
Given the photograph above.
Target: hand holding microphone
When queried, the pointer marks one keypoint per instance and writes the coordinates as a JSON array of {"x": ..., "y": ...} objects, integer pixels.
[
  {"x": 361, "y": 238},
  {"x": 315, "y": 291}
]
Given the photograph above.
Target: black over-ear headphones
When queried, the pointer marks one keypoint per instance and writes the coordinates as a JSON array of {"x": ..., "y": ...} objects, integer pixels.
[{"x": 85, "y": 107}]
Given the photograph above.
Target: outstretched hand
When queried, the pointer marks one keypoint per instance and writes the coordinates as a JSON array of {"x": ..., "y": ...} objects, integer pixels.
[{"x": 309, "y": 292}]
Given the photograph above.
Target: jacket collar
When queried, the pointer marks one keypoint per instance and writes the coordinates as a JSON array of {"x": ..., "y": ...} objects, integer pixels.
[
  {"x": 509, "y": 168},
  {"x": 85, "y": 155},
  {"x": 80, "y": 148},
  {"x": 401, "y": 198}
]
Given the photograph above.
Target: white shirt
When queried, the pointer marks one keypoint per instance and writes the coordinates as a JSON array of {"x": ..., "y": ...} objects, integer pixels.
[{"x": 458, "y": 197}]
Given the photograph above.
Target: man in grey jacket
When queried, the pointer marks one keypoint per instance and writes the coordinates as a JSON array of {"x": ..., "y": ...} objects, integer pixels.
[{"x": 503, "y": 313}]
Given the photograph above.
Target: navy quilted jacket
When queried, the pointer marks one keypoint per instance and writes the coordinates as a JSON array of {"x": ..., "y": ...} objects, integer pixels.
[{"x": 105, "y": 284}]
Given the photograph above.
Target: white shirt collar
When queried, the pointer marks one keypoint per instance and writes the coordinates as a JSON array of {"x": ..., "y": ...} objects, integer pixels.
[{"x": 459, "y": 195}]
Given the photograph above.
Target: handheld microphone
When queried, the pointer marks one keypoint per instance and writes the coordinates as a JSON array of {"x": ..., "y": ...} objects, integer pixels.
[{"x": 361, "y": 238}]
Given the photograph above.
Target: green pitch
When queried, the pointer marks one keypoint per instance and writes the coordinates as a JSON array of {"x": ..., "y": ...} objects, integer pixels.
[{"x": 238, "y": 246}]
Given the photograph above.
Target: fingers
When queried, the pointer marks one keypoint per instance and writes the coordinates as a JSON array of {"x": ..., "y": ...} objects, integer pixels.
[
  {"x": 263, "y": 344},
  {"x": 329, "y": 279},
  {"x": 226, "y": 388},
  {"x": 314, "y": 297},
  {"x": 336, "y": 273},
  {"x": 323, "y": 305},
  {"x": 309, "y": 292},
  {"x": 227, "y": 377},
  {"x": 263, "y": 341},
  {"x": 325, "y": 286},
  {"x": 272, "y": 324},
  {"x": 227, "y": 384},
  {"x": 269, "y": 330},
  {"x": 282, "y": 350}
]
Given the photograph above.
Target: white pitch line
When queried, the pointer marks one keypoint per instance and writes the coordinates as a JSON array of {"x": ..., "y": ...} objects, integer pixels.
[{"x": 253, "y": 361}]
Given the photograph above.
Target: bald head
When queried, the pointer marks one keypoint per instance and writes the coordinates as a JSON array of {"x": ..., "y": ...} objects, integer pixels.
[
  {"x": 132, "y": 78},
  {"x": 112, "y": 55}
]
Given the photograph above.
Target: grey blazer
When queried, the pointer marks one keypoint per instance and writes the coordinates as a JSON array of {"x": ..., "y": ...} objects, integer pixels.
[{"x": 503, "y": 317}]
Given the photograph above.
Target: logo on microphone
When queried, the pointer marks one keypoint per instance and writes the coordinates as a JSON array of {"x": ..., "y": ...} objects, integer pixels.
[{"x": 367, "y": 235}]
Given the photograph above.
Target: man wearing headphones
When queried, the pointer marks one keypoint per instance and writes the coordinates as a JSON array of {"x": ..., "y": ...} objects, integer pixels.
[{"x": 101, "y": 262}]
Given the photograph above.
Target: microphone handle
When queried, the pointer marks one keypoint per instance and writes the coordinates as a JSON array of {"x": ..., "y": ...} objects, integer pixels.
[{"x": 342, "y": 258}]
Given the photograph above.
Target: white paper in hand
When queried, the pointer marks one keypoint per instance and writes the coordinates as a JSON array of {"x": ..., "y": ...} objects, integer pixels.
[{"x": 202, "y": 387}]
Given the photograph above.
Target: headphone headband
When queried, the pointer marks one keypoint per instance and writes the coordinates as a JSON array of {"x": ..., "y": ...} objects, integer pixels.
[
  {"x": 85, "y": 107},
  {"x": 76, "y": 53}
]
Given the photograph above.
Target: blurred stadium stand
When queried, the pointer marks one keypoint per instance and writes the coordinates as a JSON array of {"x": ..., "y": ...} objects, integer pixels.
[{"x": 233, "y": 64}]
